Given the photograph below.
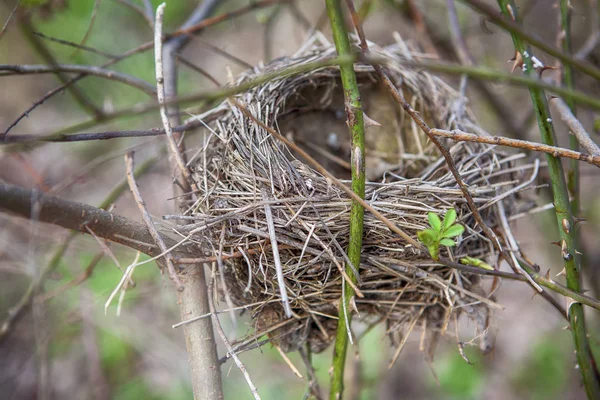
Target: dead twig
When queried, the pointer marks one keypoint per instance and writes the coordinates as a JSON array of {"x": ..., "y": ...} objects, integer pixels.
[
  {"x": 137, "y": 196},
  {"x": 576, "y": 128}
]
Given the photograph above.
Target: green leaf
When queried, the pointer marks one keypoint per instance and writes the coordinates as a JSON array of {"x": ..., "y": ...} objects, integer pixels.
[
  {"x": 447, "y": 242},
  {"x": 454, "y": 230},
  {"x": 476, "y": 262},
  {"x": 428, "y": 236},
  {"x": 449, "y": 218},
  {"x": 434, "y": 221}
]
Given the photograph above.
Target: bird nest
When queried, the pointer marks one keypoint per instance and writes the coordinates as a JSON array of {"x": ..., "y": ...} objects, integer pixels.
[{"x": 256, "y": 191}]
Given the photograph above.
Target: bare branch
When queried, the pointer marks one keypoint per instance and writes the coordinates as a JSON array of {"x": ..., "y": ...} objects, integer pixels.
[
  {"x": 78, "y": 216},
  {"x": 137, "y": 196},
  {"x": 575, "y": 127},
  {"x": 8, "y": 70}
]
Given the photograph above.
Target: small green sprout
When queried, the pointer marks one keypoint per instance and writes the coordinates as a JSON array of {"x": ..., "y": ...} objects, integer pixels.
[
  {"x": 440, "y": 233},
  {"x": 476, "y": 262}
]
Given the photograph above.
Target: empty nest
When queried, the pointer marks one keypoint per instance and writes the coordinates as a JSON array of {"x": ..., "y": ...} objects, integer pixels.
[{"x": 244, "y": 174}]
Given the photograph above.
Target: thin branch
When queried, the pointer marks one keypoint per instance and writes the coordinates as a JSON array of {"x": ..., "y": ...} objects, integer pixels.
[
  {"x": 77, "y": 46},
  {"x": 160, "y": 86},
  {"x": 137, "y": 196},
  {"x": 230, "y": 351},
  {"x": 575, "y": 127},
  {"x": 10, "y": 17},
  {"x": 8, "y": 70},
  {"x": 90, "y": 26},
  {"x": 84, "y": 102},
  {"x": 555, "y": 151}
]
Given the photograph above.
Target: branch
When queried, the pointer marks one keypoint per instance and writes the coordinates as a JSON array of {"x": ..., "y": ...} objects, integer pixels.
[
  {"x": 575, "y": 127},
  {"x": 354, "y": 115},
  {"x": 77, "y": 216},
  {"x": 554, "y": 151},
  {"x": 137, "y": 196},
  {"x": 8, "y": 70}
]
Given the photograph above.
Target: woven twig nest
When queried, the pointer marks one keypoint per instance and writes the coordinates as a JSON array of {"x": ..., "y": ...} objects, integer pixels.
[{"x": 243, "y": 170}]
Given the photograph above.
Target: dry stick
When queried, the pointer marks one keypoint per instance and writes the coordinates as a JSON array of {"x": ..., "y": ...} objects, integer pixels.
[
  {"x": 77, "y": 46},
  {"x": 137, "y": 196},
  {"x": 8, "y": 70},
  {"x": 443, "y": 150},
  {"x": 555, "y": 151},
  {"x": 146, "y": 13},
  {"x": 276, "y": 260},
  {"x": 160, "y": 87},
  {"x": 10, "y": 16},
  {"x": 576, "y": 127},
  {"x": 230, "y": 351}
]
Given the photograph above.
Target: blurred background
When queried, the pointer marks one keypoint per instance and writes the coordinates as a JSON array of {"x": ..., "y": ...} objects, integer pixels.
[{"x": 85, "y": 353}]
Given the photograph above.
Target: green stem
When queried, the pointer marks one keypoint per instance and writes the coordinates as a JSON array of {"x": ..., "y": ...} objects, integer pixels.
[
  {"x": 564, "y": 215},
  {"x": 355, "y": 123}
]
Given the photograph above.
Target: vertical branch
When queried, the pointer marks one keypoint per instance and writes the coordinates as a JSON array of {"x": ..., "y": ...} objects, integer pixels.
[
  {"x": 564, "y": 215},
  {"x": 193, "y": 300},
  {"x": 568, "y": 81},
  {"x": 355, "y": 122}
]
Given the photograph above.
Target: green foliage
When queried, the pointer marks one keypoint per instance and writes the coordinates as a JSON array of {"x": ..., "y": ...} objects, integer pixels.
[
  {"x": 440, "y": 232},
  {"x": 542, "y": 375},
  {"x": 459, "y": 380}
]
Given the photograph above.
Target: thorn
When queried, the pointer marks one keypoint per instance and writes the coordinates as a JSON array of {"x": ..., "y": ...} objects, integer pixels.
[
  {"x": 578, "y": 220},
  {"x": 556, "y": 243},
  {"x": 562, "y": 272},
  {"x": 369, "y": 122},
  {"x": 566, "y": 328},
  {"x": 544, "y": 68},
  {"x": 547, "y": 276},
  {"x": 578, "y": 252},
  {"x": 518, "y": 61}
]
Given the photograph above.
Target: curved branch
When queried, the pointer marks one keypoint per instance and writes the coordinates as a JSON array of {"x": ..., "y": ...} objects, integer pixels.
[
  {"x": 8, "y": 69},
  {"x": 78, "y": 216}
]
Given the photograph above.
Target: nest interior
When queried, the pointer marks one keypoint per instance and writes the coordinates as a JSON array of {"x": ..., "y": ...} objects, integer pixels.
[{"x": 245, "y": 174}]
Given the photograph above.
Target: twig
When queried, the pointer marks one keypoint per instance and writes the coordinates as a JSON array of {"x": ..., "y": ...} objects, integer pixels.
[
  {"x": 354, "y": 115},
  {"x": 78, "y": 46},
  {"x": 575, "y": 127},
  {"x": 230, "y": 351},
  {"x": 90, "y": 26},
  {"x": 146, "y": 12},
  {"x": 554, "y": 151},
  {"x": 562, "y": 207},
  {"x": 80, "y": 97},
  {"x": 137, "y": 196},
  {"x": 276, "y": 260},
  {"x": 7, "y": 70},
  {"x": 10, "y": 16}
]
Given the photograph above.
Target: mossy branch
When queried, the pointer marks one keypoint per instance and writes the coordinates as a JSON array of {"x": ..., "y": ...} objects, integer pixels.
[
  {"x": 355, "y": 122},
  {"x": 564, "y": 215}
]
